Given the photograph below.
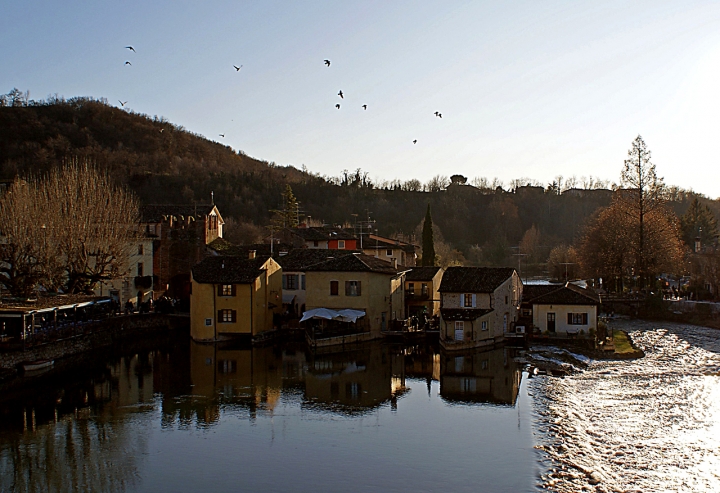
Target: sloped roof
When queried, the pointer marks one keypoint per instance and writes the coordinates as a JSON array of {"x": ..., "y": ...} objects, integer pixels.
[
  {"x": 357, "y": 262},
  {"x": 322, "y": 234},
  {"x": 474, "y": 279},
  {"x": 463, "y": 313},
  {"x": 422, "y": 273},
  {"x": 302, "y": 258},
  {"x": 531, "y": 291},
  {"x": 223, "y": 269},
  {"x": 568, "y": 294},
  {"x": 224, "y": 247},
  {"x": 155, "y": 213}
]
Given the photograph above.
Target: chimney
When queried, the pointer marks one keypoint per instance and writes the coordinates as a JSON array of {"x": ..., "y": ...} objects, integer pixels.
[{"x": 251, "y": 254}]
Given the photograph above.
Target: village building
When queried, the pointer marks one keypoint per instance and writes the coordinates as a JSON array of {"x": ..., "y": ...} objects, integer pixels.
[
  {"x": 422, "y": 298},
  {"x": 312, "y": 237},
  {"x": 564, "y": 309},
  {"x": 181, "y": 233},
  {"x": 358, "y": 282},
  {"x": 478, "y": 305},
  {"x": 480, "y": 376},
  {"x": 390, "y": 249},
  {"x": 135, "y": 282},
  {"x": 233, "y": 296}
]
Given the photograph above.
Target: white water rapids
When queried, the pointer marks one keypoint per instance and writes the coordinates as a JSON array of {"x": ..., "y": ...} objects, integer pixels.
[{"x": 650, "y": 425}]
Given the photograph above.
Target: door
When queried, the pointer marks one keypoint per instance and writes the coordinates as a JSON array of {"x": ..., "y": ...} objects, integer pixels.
[
  {"x": 551, "y": 322},
  {"x": 383, "y": 321},
  {"x": 459, "y": 330}
]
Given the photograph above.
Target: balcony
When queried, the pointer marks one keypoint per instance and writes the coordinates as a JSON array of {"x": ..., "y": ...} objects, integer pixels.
[{"x": 411, "y": 296}]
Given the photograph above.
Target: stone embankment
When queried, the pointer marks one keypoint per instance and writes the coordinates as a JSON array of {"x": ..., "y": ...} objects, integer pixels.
[{"x": 108, "y": 333}]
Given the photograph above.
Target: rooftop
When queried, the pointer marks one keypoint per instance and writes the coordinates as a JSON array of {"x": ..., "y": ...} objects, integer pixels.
[
  {"x": 225, "y": 269},
  {"x": 155, "y": 213},
  {"x": 567, "y": 294},
  {"x": 422, "y": 273},
  {"x": 474, "y": 279},
  {"x": 357, "y": 262}
]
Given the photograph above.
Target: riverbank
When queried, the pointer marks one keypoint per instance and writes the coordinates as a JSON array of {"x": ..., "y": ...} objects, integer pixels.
[{"x": 106, "y": 333}]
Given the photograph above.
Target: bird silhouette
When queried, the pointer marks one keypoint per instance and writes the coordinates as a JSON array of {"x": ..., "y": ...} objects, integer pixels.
[
  {"x": 341, "y": 95},
  {"x": 327, "y": 62},
  {"x": 222, "y": 135},
  {"x": 237, "y": 69},
  {"x": 364, "y": 106},
  {"x": 415, "y": 141},
  {"x": 337, "y": 106},
  {"x": 131, "y": 49},
  {"x": 128, "y": 63},
  {"x": 121, "y": 103},
  {"x": 438, "y": 114}
]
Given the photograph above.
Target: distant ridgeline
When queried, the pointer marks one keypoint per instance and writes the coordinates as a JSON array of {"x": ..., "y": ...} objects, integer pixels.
[{"x": 164, "y": 163}]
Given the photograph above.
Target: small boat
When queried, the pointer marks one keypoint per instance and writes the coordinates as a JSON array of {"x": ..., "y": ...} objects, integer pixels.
[{"x": 39, "y": 364}]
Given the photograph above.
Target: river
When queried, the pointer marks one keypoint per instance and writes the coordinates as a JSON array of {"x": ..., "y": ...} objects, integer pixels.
[{"x": 180, "y": 416}]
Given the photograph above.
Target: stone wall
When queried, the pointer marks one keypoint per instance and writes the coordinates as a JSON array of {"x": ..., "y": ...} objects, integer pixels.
[{"x": 107, "y": 333}]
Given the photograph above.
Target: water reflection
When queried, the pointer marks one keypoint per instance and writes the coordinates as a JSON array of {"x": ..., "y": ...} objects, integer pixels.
[
  {"x": 113, "y": 423},
  {"x": 487, "y": 376}
]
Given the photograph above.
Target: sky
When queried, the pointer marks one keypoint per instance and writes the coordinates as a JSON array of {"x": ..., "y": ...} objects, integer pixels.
[{"x": 532, "y": 89}]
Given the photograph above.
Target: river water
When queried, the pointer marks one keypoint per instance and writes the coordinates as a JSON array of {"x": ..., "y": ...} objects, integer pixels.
[{"x": 180, "y": 416}]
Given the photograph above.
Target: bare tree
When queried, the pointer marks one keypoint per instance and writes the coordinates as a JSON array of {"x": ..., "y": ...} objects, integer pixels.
[{"x": 437, "y": 183}]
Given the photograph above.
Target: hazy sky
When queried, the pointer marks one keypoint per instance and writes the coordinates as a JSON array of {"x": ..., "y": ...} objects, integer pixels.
[{"x": 526, "y": 89}]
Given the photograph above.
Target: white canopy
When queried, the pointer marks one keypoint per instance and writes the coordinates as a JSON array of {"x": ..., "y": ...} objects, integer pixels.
[{"x": 346, "y": 315}]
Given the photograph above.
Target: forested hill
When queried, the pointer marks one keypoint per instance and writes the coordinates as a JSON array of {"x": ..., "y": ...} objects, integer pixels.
[{"x": 164, "y": 163}]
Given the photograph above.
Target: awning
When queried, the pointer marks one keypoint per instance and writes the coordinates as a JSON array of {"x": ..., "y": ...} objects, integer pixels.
[
  {"x": 289, "y": 299},
  {"x": 346, "y": 315}
]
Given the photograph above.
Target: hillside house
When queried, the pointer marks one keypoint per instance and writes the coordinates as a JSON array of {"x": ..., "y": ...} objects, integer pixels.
[
  {"x": 390, "y": 249},
  {"x": 233, "y": 296},
  {"x": 323, "y": 238},
  {"x": 560, "y": 308},
  {"x": 422, "y": 297},
  {"x": 478, "y": 305},
  {"x": 358, "y": 282}
]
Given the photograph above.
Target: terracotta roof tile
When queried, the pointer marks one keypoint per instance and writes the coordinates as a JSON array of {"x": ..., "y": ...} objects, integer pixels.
[{"x": 474, "y": 279}]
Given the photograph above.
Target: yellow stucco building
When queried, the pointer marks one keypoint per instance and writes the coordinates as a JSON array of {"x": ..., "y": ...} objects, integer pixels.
[{"x": 234, "y": 296}]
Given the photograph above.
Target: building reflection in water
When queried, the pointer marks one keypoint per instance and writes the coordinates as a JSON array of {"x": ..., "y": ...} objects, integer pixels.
[
  {"x": 484, "y": 376},
  {"x": 69, "y": 431}
]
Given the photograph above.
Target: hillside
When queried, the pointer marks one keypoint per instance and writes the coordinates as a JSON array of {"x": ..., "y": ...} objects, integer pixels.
[{"x": 164, "y": 163}]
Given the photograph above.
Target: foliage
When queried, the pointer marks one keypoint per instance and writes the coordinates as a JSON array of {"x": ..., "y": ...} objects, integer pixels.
[
  {"x": 428, "y": 245},
  {"x": 698, "y": 222},
  {"x": 563, "y": 263},
  {"x": 70, "y": 228}
]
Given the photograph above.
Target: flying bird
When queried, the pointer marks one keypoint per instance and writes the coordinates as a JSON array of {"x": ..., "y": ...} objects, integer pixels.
[
  {"x": 128, "y": 63},
  {"x": 415, "y": 141},
  {"x": 364, "y": 106},
  {"x": 131, "y": 49},
  {"x": 327, "y": 62},
  {"x": 237, "y": 69},
  {"x": 222, "y": 135},
  {"x": 121, "y": 103},
  {"x": 337, "y": 106},
  {"x": 438, "y": 114},
  {"x": 341, "y": 95}
]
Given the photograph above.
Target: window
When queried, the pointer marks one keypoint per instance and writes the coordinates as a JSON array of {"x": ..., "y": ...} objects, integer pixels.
[
  {"x": 315, "y": 243},
  {"x": 140, "y": 249},
  {"x": 226, "y": 290},
  {"x": 290, "y": 281},
  {"x": 577, "y": 319},
  {"x": 352, "y": 288},
  {"x": 506, "y": 300},
  {"x": 424, "y": 289},
  {"x": 526, "y": 312},
  {"x": 227, "y": 316},
  {"x": 341, "y": 244},
  {"x": 302, "y": 281},
  {"x": 411, "y": 288},
  {"x": 459, "y": 330},
  {"x": 467, "y": 299},
  {"x": 140, "y": 269},
  {"x": 389, "y": 252},
  {"x": 483, "y": 325},
  {"x": 334, "y": 288},
  {"x": 505, "y": 322},
  {"x": 208, "y": 322}
]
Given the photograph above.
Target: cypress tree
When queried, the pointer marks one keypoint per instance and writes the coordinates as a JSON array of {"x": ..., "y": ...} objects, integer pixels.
[{"x": 428, "y": 245}]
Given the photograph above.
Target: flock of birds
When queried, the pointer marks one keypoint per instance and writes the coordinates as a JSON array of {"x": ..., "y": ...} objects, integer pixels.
[{"x": 237, "y": 69}]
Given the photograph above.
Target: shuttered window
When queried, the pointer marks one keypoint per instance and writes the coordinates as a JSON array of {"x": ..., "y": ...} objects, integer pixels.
[
  {"x": 352, "y": 288},
  {"x": 227, "y": 316},
  {"x": 577, "y": 318},
  {"x": 334, "y": 288},
  {"x": 226, "y": 290}
]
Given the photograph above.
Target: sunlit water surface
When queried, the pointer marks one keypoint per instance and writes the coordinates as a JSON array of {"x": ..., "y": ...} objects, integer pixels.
[
  {"x": 651, "y": 424},
  {"x": 189, "y": 417}
]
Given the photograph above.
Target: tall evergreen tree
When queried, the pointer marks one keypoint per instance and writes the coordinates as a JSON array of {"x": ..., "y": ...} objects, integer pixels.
[
  {"x": 428, "y": 244},
  {"x": 700, "y": 222}
]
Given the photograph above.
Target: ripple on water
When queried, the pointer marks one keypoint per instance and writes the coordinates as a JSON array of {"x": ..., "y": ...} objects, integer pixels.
[{"x": 651, "y": 424}]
